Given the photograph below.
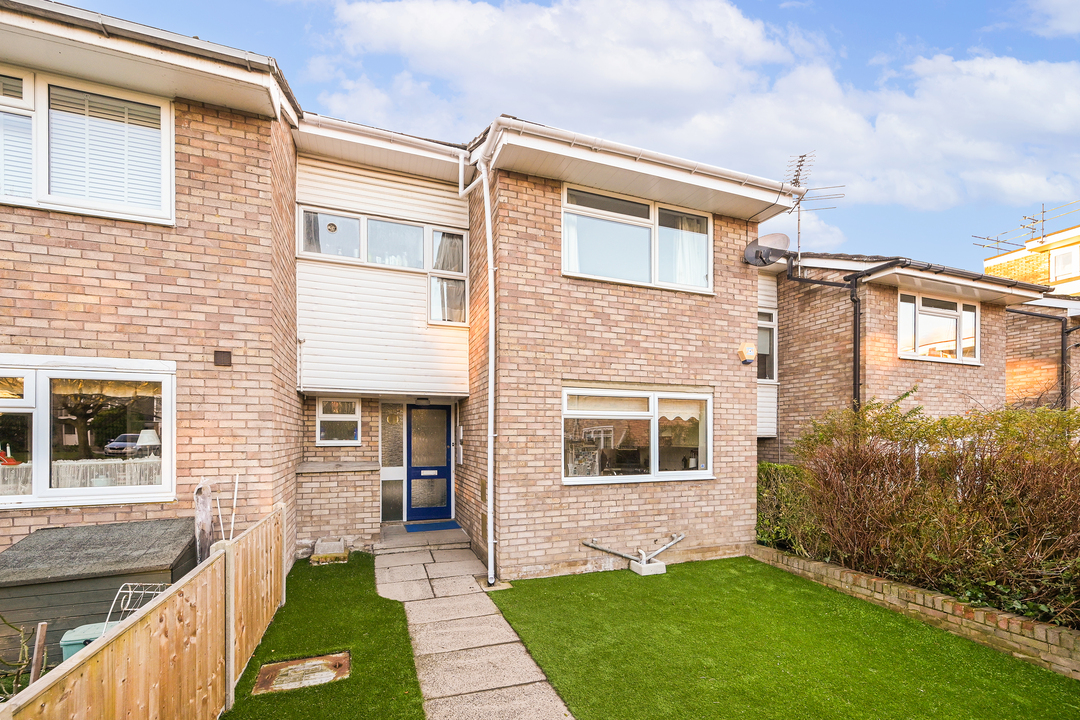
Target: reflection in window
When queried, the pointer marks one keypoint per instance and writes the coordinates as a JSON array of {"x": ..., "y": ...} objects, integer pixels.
[
  {"x": 339, "y": 421},
  {"x": 934, "y": 328},
  {"x": 16, "y": 446},
  {"x": 12, "y": 388},
  {"x": 331, "y": 234},
  {"x": 682, "y": 442},
  {"x": 906, "y": 324},
  {"x": 395, "y": 244},
  {"x": 104, "y": 433},
  {"x": 606, "y": 248},
  {"x": 598, "y": 446},
  {"x": 969, "y": 338}
]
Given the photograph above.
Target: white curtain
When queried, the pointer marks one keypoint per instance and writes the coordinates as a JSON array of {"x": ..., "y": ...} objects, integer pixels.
[
  {"x": 570, "y": 244},
  {"x": 691, "y": 252}
]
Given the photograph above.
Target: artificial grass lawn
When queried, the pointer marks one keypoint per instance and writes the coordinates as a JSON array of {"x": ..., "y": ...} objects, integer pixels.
[
  {"x": 740, "y": 639},
  {"x": 330, "y": 608}
]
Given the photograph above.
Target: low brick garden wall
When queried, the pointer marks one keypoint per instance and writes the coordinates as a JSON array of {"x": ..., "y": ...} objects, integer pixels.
[{"x": 1050, "y": 646}]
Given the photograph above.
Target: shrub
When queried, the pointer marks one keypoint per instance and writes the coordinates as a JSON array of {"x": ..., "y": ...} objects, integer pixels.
[{"x": 985, "y": 507}]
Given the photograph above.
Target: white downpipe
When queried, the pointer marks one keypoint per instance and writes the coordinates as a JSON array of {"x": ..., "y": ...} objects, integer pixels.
[{"x": 490, "y": 375}]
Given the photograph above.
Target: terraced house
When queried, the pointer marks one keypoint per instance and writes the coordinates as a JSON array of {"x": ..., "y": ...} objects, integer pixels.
[{"x": 535, "y": 333}]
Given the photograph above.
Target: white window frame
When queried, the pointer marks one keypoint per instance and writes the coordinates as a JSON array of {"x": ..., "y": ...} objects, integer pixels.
[
  {"x": 958, "y": 316},
  {"x": 653, "y": 415},
  {"x": 654, "y": 229},
  {"x": 429, "y": 261},
  {"x": 774, "y": 325},
  {"x": 40, "y": 369},
  {"x": 358, "y": 416},
  {"x": 1055, "y": 254}
]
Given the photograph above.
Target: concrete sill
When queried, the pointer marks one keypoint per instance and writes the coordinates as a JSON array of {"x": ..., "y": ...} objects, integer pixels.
[{"x": 313, "y": 468}]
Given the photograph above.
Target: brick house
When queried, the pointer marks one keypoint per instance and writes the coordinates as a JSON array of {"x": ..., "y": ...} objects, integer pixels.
[
  {"x": 535, "y": 333},
  {"x": 930, "y": 327}
]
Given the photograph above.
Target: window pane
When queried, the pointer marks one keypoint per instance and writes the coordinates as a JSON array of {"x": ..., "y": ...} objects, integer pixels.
[
  {"x": 339, "y": 430},
  {"x": 683, "y": 428},
  {"x": 11, "y": 388},
  {"x": 392, "y": 440},
  {"x": 906, "y": 324},
  {"x": 103, "y": 148},
  {"x": 428, "y": 438},
  {"x": 447, "y": 300},
  {"x": 765, "y": 360},
  {"x": 601, "y": 403},
  {"x": 11, "y": 87},
  {"x": 938, "y": 304},
  {"x": 607, "y": 249},
  {"x": 937, "y": 336},
  {"x": 971, "y": 331},
  {"x": 765, "y": 317},
  {"x": 608, "y": 204},
  {"x": 684, "y": 249},
  {"x": 105, "y": 433},
  {"x": 331, "y": 234},
  {"x": 338, "y": 407},
  {"x": 16, "y": 443},
  {"x": 594, "y": 447},
  {"x": 447, "y": 251},
  {"x": 16, "y": 156},
  {"x": 395, "y": 244},
  {"x": 1063, "y": 264}
]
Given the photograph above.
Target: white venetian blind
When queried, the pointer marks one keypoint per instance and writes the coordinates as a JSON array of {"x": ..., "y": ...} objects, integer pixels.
[
  {"x": 16, "y": 156},
  {"x": 101, "y": 148}
]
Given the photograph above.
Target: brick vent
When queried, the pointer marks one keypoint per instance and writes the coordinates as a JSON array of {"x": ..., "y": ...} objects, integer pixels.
[{"x": 1052, "y": 647}]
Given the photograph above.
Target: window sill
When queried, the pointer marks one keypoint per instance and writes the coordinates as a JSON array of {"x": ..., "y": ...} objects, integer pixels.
[
  {"x": 947, "y": 361},
  {"x": 438, "y": 323},
  {"x": 358, "y": 443},
  {"x": 149, "y": 219},
  {"x": 632, "y": 283},
  {"x": 624, "y": 479},
  {"x": 768, "y": 382},
  {"x": 72, "y": 502}
]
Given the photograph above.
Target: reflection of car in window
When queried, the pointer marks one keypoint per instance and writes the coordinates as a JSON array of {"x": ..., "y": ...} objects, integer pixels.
[{"x": 123, "y": 444}]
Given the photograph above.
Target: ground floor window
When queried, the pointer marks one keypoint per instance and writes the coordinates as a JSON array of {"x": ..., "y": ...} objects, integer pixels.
[
  {"x": 338, "y": 421},
  {"x": 628, "y": 436},
  {"x": 85, "y": 430}
]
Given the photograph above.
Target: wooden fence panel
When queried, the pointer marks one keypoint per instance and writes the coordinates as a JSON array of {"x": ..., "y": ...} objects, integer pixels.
[
  {"x": 259, "y": 565},
  {"x": 166, "y": 662}
]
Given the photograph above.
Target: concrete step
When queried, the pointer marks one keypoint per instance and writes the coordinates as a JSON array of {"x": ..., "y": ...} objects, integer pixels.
[
  {"x": 380, "y": 549},
  {"x": 396, "y": 539}
]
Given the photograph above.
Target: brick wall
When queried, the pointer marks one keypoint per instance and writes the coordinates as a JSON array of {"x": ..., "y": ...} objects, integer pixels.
[
  {"x": 1034, "y": 358},
  {"x": 1030, "y": 268},
  {"x": 814, "y": 349},
  {"x": 1050, "y": 646},
  {"x": 555, "y": 331},
  {"x": 75, "y": 285}
]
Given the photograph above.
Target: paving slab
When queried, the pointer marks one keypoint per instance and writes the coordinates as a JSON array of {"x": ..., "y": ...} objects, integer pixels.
[
  {"x": 450, "y": 569},
  {"x": 405, "y": 591},
  {"x": 449, "y": 608},
  {"x": 400, "y": 573},
  {"x": 475, "y": 669},
  {"x": 457, "y": 585},
  {"x": 461, "y": 634},
  {"x": 453, "y": 555},
  {"x": 537, "y": 701},
  {"x": 415, "y": 557}
]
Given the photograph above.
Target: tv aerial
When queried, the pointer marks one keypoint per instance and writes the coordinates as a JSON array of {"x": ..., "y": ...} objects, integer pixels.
[
  {"x": 767, "y": 249},
  {"x": 799, "y": 169}
]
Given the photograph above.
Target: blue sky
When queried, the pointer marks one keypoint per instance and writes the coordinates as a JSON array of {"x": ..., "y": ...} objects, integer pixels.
[{"x": 942, "y": 119}]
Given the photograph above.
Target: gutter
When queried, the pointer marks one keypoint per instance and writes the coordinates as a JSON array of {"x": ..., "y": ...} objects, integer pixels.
[
  {"x": 110, "y": 27},
  {"x": 521, "y": 127},
  {"x": 454, "y": 152}
]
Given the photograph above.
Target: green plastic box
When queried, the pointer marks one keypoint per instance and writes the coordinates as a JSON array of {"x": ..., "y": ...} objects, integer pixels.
[{"x": 75, "y": 640}]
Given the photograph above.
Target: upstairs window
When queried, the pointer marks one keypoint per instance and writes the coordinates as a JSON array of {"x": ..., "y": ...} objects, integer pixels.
[
  {"x": 623, "y": 239},
  {"x": 72, "y": 146},
  {"x": 1064, "y": 263},
  {"x": 378, "y": 242},
  {"x": 938, "y": 329}
]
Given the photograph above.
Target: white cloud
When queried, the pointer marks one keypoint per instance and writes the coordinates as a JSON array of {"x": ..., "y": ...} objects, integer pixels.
[
  {"x": 1053, "y": 18},
  {"x": 702, "y": 80},
  {"x": 817, "y": 234}
]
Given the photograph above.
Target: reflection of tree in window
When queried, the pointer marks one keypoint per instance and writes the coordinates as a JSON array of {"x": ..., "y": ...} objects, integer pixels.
[{"x": 97, "y": 407}]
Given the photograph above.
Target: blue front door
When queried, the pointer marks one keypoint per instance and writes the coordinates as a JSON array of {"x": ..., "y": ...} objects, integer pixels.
[{"x": 428, "y": 466}]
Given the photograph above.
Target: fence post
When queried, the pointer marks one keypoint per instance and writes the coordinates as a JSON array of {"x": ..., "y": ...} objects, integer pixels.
[
  {"x": 230, "y": 619},
  {"x": 283, "y": 564}
]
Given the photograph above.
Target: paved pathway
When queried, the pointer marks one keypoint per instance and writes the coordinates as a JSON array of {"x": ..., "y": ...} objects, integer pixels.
[{"x": 471, "y": 663}]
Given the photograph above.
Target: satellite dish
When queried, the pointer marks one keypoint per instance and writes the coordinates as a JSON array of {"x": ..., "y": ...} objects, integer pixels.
[{"x": 767, "y": 249}]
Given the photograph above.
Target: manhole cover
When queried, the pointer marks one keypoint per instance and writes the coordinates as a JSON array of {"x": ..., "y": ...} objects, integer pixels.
[{"x": 304, "y": 672}]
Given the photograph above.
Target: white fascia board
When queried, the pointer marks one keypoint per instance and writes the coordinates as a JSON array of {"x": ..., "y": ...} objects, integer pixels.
[
  {"x": 1072, "y": 287},
  {"x": 1061, "y": 238},
  {"x": 838, "y": 264},
  {"x": 76, "y": 362},
  {"x": 334, "y": 139},
  {"x": 328, "y": 391},
  {"x": 928, "y": 282},
  {"x": 41, "y": 45}
]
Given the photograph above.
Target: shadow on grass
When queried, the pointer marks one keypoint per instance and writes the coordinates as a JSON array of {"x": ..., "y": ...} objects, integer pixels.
[
  {"x": 740, "y": 639},
  {"x": 331, "y": 608}
]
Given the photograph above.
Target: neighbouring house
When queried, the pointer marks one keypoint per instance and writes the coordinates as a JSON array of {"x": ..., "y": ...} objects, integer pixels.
[
  {"x": 938, "y": 329},
  {"x": 535, "y": 333},
  {"x": 1052, "y": 259}
]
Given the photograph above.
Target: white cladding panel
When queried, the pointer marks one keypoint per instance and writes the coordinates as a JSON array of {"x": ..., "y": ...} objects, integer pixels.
[
  {"x": 366, "y": 330},
  {"x": 360, "y": 190},
  {"x": 766, "y": 290},
  {"x": 767, "y": 394}
]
